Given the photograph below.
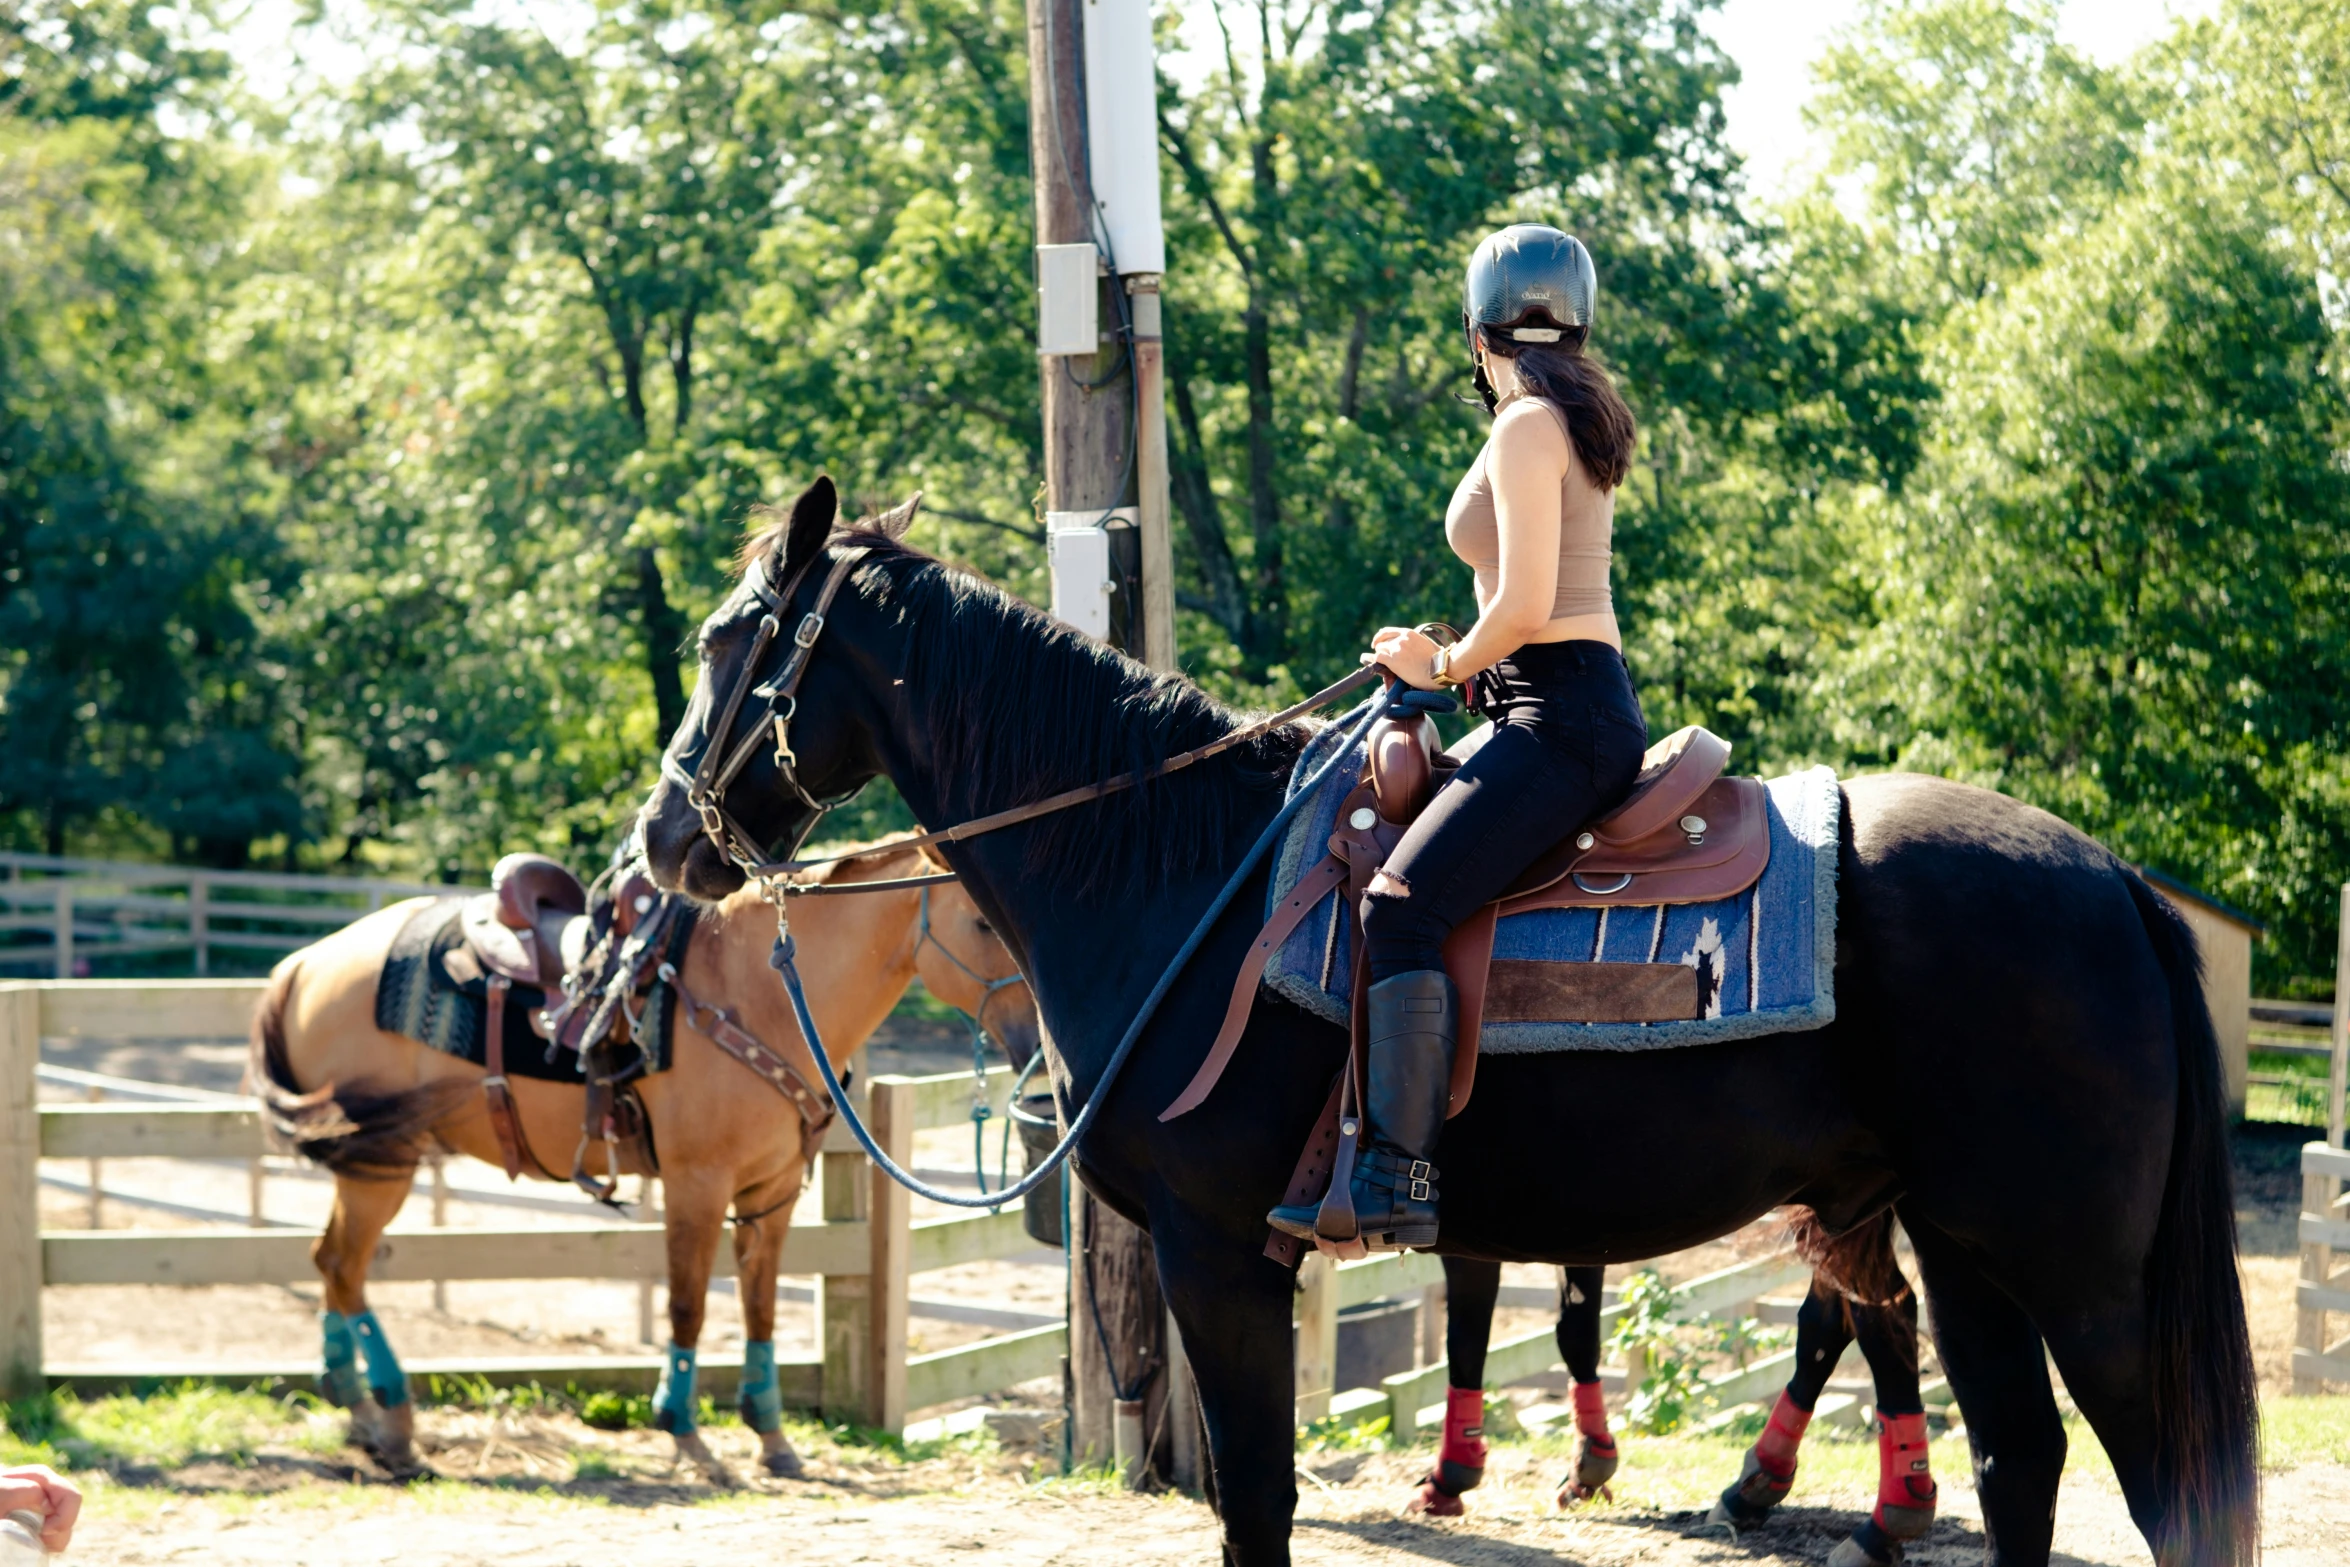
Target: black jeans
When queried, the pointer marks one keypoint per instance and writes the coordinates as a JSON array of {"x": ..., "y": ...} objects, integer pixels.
[{"x": 1568, "y": 736}]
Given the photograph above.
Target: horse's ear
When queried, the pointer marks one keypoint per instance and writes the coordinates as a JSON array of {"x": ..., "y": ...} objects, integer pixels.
[
  {"x": 812, "y": 517},
  {"x": 899, "y": 518}
]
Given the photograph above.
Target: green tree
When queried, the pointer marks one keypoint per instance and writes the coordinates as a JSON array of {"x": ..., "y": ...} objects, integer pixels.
[
  {"x": 132, "y": 671},
  {"x": 2117, "y": 587}
]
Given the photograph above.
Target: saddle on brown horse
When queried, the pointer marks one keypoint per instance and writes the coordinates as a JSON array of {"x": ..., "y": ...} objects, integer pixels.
[
  {"x": 1685, "y": 834},
  {"x": 535, "y": 928}
]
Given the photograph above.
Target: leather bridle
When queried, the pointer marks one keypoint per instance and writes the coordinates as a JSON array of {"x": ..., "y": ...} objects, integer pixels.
[{"x": 705, "y": 788}]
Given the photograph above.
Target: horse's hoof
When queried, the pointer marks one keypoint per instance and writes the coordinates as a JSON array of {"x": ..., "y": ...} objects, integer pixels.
[
  {"x": 693, "y": 1450},
  {"x": 1595, "y": 1466},
  {"x": 1433, "y": 1501},
  {"x": 388, "y": 1436},
  {"x": 1750, "y": 1498},
  {"x": 1907, "y": 1523},
  {"x": 1853, "y": 1552},
  {"x": 781, "y": 1462},
  {"x": 1571, "y": 1496}
]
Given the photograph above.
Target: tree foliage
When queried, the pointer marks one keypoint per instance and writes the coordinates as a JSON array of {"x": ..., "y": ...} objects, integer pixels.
[{"x": 366, "y": 458}]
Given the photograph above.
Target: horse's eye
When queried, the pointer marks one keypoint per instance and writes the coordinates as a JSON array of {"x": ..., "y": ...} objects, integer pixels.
[{"x": 985, "y": 929}]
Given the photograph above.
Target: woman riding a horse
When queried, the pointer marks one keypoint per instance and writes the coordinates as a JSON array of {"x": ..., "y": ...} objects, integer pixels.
[{"x": 1533, "y": 519}]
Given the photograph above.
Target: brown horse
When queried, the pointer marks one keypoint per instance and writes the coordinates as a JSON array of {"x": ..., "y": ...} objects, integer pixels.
[{"x": 722, "y": 1135}]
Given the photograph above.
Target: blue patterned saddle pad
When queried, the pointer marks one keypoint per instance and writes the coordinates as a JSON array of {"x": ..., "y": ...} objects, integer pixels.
[{"x": 1765, "y": 958}]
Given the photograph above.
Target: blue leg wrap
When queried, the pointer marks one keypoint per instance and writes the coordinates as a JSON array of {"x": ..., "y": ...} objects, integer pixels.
[
  {"x": 761, "y": 1397},
  {"x": 383, "y": 1367},
  {"x": 340, "y": 1382},
  {"x": 673, "y": 1400}
]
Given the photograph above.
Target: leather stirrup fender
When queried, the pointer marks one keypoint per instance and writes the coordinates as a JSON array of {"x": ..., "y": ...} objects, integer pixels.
[{"x": 494, "y": 1088}]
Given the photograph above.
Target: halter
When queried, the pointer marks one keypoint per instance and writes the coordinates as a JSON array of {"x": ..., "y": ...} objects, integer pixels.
[{"x": 705, "y": 789}]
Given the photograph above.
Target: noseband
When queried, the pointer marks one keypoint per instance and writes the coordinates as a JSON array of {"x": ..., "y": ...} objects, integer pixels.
[{"x": 705, "y": 790}]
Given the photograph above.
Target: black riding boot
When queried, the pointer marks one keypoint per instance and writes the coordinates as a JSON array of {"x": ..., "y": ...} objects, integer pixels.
[{"x": 1413, "y": 1019}]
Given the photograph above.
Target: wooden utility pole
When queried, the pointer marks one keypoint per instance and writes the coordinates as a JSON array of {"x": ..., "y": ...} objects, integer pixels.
[
  {"x": 1105, "y": 467},
  {"x": 1098, "y": 457}
]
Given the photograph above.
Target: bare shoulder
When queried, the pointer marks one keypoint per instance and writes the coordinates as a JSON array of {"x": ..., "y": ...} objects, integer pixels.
[{"x": 1530, "y": 432}]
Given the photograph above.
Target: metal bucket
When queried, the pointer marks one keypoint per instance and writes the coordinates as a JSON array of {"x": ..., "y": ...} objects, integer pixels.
[{"x": 1039, "y": 1132}]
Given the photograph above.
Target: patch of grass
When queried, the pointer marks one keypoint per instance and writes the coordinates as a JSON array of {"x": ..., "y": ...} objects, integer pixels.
[
  {"x": 1100, "y": 1480},
  {"x": 1329, "y": 1435},
  {"x": 2296, "y": 1431},
  {"x": 595, "y": 1466},
  {"x": 608, "y": 1411},
  {"x": 165, "y": 1429}
]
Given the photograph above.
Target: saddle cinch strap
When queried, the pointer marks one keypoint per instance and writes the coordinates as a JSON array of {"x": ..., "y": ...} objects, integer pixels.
[{"x": 1686, "y": 834}]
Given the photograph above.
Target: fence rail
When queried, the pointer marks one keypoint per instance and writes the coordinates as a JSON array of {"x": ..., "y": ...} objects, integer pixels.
[
  {"x": 855, "y": 1231},
  {"x": 87, "y": 909}
]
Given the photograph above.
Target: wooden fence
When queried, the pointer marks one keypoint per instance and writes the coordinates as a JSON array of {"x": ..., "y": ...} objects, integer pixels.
[
  {"x": 59, "y": 914},
  {"x": 862, "y": 1244},
  {"x": 1404, "y": 1399}
]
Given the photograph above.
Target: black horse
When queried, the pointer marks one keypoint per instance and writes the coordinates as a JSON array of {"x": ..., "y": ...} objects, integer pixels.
[{"x": 2021, "y": 1063}]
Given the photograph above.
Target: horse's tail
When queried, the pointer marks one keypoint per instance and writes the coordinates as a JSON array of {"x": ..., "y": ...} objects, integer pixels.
[
  {"x": 368, "y": 1136},
  {"x": 1859, "y": 1267},
  {"x": 2206, "y": 1392}
]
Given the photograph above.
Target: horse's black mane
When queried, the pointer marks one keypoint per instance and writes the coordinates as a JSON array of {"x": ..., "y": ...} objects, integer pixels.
[{"x": 1019, "y": 706}]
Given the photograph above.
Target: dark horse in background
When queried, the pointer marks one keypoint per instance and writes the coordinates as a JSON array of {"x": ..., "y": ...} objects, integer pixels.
[{"x": 2021, "y": 1065}]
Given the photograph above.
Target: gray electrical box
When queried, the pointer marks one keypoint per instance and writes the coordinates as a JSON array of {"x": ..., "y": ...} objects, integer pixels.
[
  {"x": 1094, "y": 563},
  {"x": 1068, "y": 299}
]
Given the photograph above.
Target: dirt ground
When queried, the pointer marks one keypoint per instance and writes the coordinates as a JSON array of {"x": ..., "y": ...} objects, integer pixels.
[{"x": 523, "y": 1491}]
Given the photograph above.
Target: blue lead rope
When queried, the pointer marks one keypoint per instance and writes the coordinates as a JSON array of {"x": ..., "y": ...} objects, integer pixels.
[{"x": 784, "y": 960}]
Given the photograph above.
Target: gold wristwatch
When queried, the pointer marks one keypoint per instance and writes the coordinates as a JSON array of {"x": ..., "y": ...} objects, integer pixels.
[{"x": 1440, "y": 668}]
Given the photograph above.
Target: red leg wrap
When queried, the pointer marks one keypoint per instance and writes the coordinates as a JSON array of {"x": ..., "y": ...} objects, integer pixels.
[
  {"x": 1460, "y": 1458},
  {"x": 1591, "y": 1411},
  {"x": 1904, "y": 1478},
  {"x": 1464, "y": 1427},
  {"x": 1777, "y": 1446}
]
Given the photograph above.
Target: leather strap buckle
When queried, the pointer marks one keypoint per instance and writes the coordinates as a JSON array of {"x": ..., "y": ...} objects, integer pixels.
[
  {"x": 1419, "y": 1191},
  {"x": 811, "y": 627},
  {"x": 1420, "y": 1171}
]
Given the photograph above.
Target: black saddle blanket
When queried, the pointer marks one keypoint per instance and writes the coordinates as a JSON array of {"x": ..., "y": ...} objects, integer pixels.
[{"x": 416, "y": 997}]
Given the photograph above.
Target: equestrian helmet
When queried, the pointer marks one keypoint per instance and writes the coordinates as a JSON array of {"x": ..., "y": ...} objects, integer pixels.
[{"x": 1531, "y": 284}]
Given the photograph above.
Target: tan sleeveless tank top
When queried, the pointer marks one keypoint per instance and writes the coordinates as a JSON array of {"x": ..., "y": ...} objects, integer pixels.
[{"x": 1587, "y": 525}]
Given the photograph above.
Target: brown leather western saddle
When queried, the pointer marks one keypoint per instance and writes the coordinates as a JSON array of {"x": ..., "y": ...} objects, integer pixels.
[
  {"x": 1685, "y": 834},
  {"x": 533, "y": 928}
]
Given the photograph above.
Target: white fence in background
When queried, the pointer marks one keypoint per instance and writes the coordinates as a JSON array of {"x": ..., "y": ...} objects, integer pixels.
[{"x": 56, "y": 914}]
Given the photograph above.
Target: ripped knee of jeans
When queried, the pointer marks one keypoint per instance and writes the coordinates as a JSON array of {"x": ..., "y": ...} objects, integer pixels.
[{"x": 1386, "y": 884}]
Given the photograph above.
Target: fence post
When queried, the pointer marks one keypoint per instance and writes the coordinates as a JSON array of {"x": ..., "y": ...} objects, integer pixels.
[
  {"x": 2319, "y": 1191},
  {"x": 1317, "y": 1336},
  {"x": 843, "y": 1301},
  {"x": 97, "y": 1174},
  {"x": 2338, "y": 1079},
  {"x": 200, "y": 921},
  {"x": 889, "y": 1218},
  {"x": 62, "y": 923},
  {"x": 20, "y": 1192},
  {"x": 1183, "y": 1427}
]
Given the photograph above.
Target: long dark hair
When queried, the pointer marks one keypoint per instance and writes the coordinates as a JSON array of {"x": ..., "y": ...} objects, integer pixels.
[{"x": 1597, "y": 420}]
